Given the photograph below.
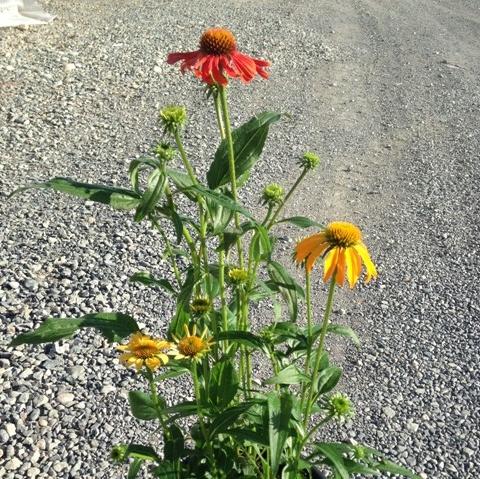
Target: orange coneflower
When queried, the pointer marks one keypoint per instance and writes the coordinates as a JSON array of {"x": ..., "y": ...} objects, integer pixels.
[
  {"x": 218, "y": 58},
  {"x": 192, "y": 346},
  {"x": 341, "y": 246}
]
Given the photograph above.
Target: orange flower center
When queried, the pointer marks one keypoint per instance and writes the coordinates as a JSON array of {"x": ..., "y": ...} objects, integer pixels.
[
  {"x": 191, "y": 345},
  {"x": 217, "y": 41},
  {"x": 342, "y": 234}
]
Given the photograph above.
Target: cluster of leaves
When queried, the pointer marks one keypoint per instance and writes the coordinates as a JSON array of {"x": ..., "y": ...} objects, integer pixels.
[{"x": 239, "y": 431}]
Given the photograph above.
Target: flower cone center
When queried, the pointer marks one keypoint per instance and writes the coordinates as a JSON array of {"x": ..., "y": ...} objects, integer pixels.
[
  {"x": 191, "y": 345},
  {"x": 217, "y": 41},
  {"x": 342, "y": 234}
]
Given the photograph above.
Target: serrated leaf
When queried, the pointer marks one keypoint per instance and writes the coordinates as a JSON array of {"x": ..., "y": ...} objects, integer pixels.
[
  {"x": 248, "y": 142},
  {"x": 113, "y": 326},
  {"x": 117, "y": 198}
]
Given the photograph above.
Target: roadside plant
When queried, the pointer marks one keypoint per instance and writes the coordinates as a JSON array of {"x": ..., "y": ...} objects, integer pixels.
[{"x": 237, "y": 425}]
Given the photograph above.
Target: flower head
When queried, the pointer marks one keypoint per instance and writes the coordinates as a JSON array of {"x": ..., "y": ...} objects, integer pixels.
[
  {"x": 341, "y": 246},
  {"x": 200, "y": 305},
  {"x": 218, "y": 58},
  {"x": 164, "y": 151},
  {"x": 142, "y": 350},
  {"x": 272, "y": 194},
  {"x": 173, "y": 117},
  {"x": 340, "y": 406},
  {"x": 192, "y": 346},
  {"x": 238, "y": 275},
  {"x": 119, "y": 452},
  {"x": 309, "y": 160}
]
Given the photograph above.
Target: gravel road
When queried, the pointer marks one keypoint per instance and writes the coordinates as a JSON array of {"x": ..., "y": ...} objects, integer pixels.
[{"x": 388, "y": 95}]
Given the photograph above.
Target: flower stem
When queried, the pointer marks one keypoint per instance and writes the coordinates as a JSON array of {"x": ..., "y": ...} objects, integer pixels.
[
  {"x": 287, "y": 197},
  {"x": 231, "y": 161},
  {"x": 183, "y": 155},
  {"x": 318, "y": 357},
  {"x": 218, "y": 113},
  {"x": 308, "y": 294},
  {"x": 223, "y": 300}
]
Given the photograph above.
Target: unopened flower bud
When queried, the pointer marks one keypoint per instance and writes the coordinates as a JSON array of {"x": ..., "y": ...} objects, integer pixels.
[
  {"x": 200, "y": 305},
  {"x": 309, "y": 161},
  {"x": 238, "y": 275},
  {"x": 340, "y": 406},
  {"x": 118, "y": 452},
  {"x": 164, "y": 151},
  {"x": 359, "y": 452},
  {"x": 272, "y": 194},
  {"x": 173, "y": 117}
]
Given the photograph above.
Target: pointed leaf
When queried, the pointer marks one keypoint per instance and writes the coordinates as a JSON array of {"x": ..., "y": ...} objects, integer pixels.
[
  {"x": 279, "y": 413},
  {"x": 142, "y": 406},
  {"x": 289, "y": 375},
  {"x": 117, "y": 198},
  {"x": 223, "y": 383},
  {"x": 301, "y": 221},
  {"x": 147, "y": 279},
  {"x": 328, "y": 379},
  {"x": 248, "y": 142},
  {"x": 226, "y": 418},
  {"x": 346, "y": 332},
  {"x": 141, "y": 452},
  {"x": 114, "y": 326},
  {"x": 242, "y": 337},
  {"x": 335, "y": 458},
  {"x": 134, "y": 468}
]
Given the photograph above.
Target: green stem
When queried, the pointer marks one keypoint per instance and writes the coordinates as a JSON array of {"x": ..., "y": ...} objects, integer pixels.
[
  {"x": 308, "y": 294},
  {"x": 223, "y": 300},
  {"x": 183, "y": 155},
  {"x": 153, "y": 392},
  {"x": 315, "y": 428},
  {"x": 218, "y": 113},
  {"x": 287, "y": 197},
  {"x": 222, "y": 93},
  {"x": 316, "y": 367}
]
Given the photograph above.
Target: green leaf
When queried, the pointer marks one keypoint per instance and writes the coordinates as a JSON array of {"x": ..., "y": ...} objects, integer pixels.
[
  {"x": 156, "y": 187},
  {"x": 117, "y": 198},
  {"x": 134, "y": 468},
  {"x": 289, "y": 375},
  {"x": 114, "y": 326},
  {"x": 260, "y": 246},
  {"x": 174, "y": 372},
  {"x": 241, "y": 337},
  {"x": 335, "y": 458},
  {"x": 218, "y": 198},
  {"x": 288, "y": 287},
  {"x": 388, "y": 466},
  {"x": 139, "y": 451},
  {"x": 223, "y": 383},
  {"x": 301, "y": 221},
  {"x": 180, "y": 179},
  {"x": 174, "y": 443},
  {"x": 142, "y": 406},
  {"x": 248, "y": 142},
  {"x": 346, "y": 332},
  {"x": 328, "y": 379},
  {"x": 183, "y": 409},
  {"x": 245, "y": 435},
  {"x": 138, "y": 165},
  {"x": 226, "y": 418},
  {"x": 279, "y": 413},
  {"x": 147, "y": 279},
  {"x": 167, "y": 470}
]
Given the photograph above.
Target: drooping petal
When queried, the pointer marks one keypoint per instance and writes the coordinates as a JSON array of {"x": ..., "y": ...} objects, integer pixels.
[
  {"x": 370, "y": 267},
  {"x": 153, "y": 363},
  {"x": 217, "y": 75},
  {"x": 340, "y": 271},
  {"x": 139, "y": 364},
  {"x": 305, "y": 246},
  {"x": 351, "y": 262},
  {"x": 330, "y": 264},
  {"x": 315, "y": 253},
  {"x": 245, "y": 66},
  {"x": 181, "y": 56}
]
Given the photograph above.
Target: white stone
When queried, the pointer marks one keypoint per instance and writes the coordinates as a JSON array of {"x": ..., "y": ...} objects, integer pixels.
[
  {"x": 389, "y": 412},
  {"x": 33, "y": 472},
  {"x": 69, "y": 67},
  {"x": 13, "y": 464},
  {"x": 108, "y": 388},
  {"x": 65, "y": 398},
  {"x": 412, "y": 426},
  {"x": 11, "y": 429}
]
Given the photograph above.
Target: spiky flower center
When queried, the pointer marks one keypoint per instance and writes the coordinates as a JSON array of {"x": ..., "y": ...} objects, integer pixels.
[
  {"x": 342, "y": 234},
  {"x": 217, "y": 41},
  {"x": 146, "y": 348},
  {"x": 200, "y": 304},
  {"x": 191, "y": 346}
]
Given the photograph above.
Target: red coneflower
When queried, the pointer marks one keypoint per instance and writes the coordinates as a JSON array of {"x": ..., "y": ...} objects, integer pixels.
[{"x": 218, "y": 58}]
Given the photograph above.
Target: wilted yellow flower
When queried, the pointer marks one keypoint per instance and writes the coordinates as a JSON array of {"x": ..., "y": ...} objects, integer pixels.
[
  {"x": 192, "y": 346},
  {"x": 341, "y": 246},
  {"x": 143, "y": 350}
]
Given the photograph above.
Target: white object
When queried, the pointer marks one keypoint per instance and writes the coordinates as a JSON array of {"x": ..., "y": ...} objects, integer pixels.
[{"x": 22, "y": 12}]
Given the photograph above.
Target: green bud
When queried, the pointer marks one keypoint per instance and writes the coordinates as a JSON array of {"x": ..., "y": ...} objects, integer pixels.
[
  {"x": 173, "y": 117},
  {"x": 340, "y": 406},
  {"x": 118, "y": 452},
  {"x": 272, "y": 194},
  {"x": 200, "y": 305},
  {"x": 309, "y": 161},
  {"x": 164, "y": 151},
  {"x": 359, "y": 452},
  {"x": 238, "y": 275}
]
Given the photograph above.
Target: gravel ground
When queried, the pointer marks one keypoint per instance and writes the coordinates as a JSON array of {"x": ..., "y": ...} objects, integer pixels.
[{"x": 388, "y": 95}]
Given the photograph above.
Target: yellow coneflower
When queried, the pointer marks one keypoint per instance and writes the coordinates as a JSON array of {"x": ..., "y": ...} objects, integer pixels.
[
  {"x": 192, "y": 346},
  {"x": 238, "y": 275},
  {"x": 200, "y": 305},
  {"x": 341, "y": 246},
  {"x": 142, "y": 350}
]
